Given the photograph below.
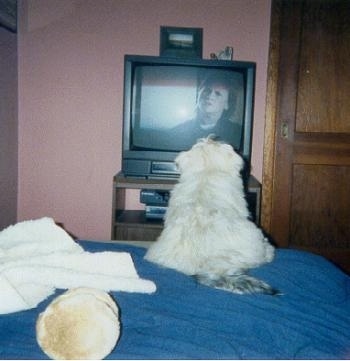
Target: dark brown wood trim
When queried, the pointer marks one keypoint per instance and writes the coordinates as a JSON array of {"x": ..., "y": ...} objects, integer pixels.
[{"x": 270, "y": 116}]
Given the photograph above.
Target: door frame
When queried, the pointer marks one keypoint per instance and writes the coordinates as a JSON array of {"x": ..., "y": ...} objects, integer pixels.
[{"x": 271, "y": 117}]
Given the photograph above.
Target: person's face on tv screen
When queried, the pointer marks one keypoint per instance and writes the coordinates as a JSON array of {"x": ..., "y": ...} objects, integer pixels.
[{"x": 214, "y": 99}]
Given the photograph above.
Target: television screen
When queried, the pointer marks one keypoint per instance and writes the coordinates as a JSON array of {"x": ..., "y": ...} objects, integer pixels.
[{"x": 170, "y": 103}]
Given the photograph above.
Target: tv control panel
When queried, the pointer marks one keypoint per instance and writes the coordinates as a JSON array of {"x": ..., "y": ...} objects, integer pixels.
[{"x": 164, "y": 168}]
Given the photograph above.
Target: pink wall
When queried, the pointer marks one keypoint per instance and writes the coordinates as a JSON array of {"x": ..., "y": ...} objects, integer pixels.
[{"x": 70, "y": 93}]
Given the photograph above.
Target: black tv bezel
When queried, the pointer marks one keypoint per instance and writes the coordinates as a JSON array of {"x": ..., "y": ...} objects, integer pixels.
[{"x": 139, "y": 163}]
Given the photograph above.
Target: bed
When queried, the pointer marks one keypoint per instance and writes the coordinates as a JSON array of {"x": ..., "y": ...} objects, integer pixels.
[{"x": 184, "y": 320}]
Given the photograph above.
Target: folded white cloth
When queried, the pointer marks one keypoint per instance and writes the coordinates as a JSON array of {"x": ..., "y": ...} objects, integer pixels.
[{"x": 37, "y": 256}]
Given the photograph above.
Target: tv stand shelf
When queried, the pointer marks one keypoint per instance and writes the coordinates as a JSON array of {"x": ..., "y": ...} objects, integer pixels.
[{"x": 132, "y": 225}]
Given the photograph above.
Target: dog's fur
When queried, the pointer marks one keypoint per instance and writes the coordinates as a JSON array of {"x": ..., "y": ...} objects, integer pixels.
[{"x": 207, "y": 232}]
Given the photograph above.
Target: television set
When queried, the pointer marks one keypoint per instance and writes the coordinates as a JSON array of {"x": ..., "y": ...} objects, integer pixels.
[{"x": 169, "y": 103}]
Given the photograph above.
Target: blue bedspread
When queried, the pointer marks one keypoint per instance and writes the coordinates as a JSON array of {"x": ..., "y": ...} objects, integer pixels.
[{"x": 184, "y": 320}]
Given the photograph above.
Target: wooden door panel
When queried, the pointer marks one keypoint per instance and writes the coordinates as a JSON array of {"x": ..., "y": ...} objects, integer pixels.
[
  {"x": 306, "y": 186},
  {"x": 324, "y": 79},
  {"x": 320, "y": 215},
  {"x": 321, "y": 148}
]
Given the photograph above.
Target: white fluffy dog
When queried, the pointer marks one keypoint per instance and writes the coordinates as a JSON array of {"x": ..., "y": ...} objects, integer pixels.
[{"x": 207, "y": 232}]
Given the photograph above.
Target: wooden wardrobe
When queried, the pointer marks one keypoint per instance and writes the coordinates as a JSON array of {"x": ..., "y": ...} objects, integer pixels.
[{"x": 306, "y": 179}]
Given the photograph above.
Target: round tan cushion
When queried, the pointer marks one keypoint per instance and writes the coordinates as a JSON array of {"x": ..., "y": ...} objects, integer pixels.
[{"x": 82, "y": 323}]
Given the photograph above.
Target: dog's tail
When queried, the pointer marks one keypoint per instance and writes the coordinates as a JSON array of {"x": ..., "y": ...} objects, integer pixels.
[{"x": 237, "y": 283}]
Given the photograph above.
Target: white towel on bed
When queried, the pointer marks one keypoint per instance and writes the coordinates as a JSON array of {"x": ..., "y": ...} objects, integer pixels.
[{"x": 37, "y": 256}]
